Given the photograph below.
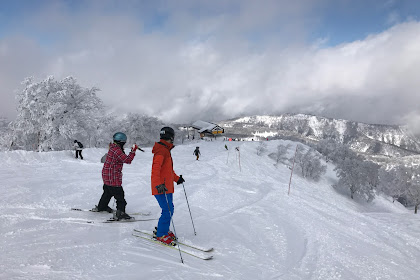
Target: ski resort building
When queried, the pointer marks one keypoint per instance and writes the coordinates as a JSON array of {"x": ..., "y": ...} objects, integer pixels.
[{"x": 207, "y": 129}]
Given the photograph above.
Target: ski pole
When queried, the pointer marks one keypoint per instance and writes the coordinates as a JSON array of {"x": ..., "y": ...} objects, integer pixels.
[
  {"x": 189, "y": 208},
  {"x": 173, "y": 225}
]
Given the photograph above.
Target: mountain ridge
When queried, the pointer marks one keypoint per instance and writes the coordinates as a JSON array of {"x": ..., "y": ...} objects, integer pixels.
[{"x": 371, "y": 139}]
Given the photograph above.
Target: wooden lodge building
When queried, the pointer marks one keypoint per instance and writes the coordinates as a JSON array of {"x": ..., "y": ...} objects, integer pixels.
[{"x": 207, "y": 129}]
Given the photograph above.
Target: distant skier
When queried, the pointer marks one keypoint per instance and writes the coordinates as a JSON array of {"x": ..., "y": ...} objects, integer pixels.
[
  {"x": 226, "y": 147},
  {"x": 197, "y": 152},
  {"x": 78, "y": 147},
  {"x": 163, "y": 178},
  {"x": 112, "y": 176}
]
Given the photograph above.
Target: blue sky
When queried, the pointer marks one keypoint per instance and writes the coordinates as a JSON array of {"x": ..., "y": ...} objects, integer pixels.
[
  {"x": 338, "y": 21},
  {"x": 213, "y": 57}
]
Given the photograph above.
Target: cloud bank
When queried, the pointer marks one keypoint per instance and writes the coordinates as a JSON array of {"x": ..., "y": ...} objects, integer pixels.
[{"x": 189, "y": 62}]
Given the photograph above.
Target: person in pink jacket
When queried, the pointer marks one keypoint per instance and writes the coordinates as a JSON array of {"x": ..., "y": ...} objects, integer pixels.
[{"x": 112, "y": 176}]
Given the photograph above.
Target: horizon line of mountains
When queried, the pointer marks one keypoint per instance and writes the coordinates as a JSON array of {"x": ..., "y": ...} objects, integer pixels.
[{"x": 370, "y": 139}]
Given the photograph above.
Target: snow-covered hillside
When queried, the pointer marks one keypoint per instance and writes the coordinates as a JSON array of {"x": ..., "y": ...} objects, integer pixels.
[
  {"x": 375, "y": 139},
  {"x": 257, "y": 230}
]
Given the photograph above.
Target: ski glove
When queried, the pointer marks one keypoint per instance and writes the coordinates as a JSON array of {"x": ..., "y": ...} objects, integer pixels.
[
  {"x": 180, "y": 180},
  {"x": 134, "y": 148},
  {"x": 161, "y": 188}
]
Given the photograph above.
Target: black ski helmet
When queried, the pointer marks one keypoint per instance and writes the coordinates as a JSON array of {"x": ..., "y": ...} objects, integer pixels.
[
  {"x": 120, "y": 137},
  {"x": 167, "y": 133}
]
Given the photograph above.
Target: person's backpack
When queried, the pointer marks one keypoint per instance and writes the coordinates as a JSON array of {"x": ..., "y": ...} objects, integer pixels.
[
  {"x": 80, "y": 144},
  {"x": 103, "y": 159}
]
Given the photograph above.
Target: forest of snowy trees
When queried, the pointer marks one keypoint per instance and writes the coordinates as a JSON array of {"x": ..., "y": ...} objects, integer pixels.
[
  {"x": 364, "y": 178},
  {"x": 51, "y": 114},
  {"x": 357, "y": 176}
]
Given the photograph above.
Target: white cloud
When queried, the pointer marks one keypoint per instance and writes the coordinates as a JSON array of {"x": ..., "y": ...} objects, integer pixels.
[{"x": 186, "y": 69}]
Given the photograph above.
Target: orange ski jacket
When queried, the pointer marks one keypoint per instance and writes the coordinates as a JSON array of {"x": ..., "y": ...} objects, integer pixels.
[{"x": 162, "y": 167}]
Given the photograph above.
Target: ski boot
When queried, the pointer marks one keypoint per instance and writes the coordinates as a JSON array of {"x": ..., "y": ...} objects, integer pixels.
[
  {"x": 120, "y": 215},
  {"x": 108, "y": 209},
  {"x": 166, "y": 239},
  {"x": 170, "y": 234}
]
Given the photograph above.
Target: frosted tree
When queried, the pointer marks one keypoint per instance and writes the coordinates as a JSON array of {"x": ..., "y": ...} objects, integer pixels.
[
  {"x": 281, "y": 153},
  {"x": 334, "y": 151},
  {"x": 261, "y": 148},
  {"x": 342, "y": 152},
  {"x": 409, "y": 178},
  {"x": 372, "y": 174},
  {"x": 4, "y": 134},
  {"x": 413, "y": 192},
  {"x": 53, "y": 113},
  {"x": 326, "y": 147},
  {"x": 105, "y": 129},
  {"x": 389, "y": 183},
  {"x": 330, "y": 132},
  {"x": 348, "y": 176},
  {"x": 308, "y": 163},
  {"x": 357, "y": 176},
  {"x": 141, "y": 129}
]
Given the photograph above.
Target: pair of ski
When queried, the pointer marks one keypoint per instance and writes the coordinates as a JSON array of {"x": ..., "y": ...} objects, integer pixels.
[
  {"x": 189, "y": 249},
  {"x": 112, "y": 220}
]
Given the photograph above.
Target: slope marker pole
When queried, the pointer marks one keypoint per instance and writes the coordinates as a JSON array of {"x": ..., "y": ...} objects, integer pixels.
[{"x": 291, "y": 173}]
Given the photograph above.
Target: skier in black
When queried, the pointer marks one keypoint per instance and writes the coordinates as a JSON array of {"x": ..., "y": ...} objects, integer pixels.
[
  {"x": 78, "y": 148},
  {"x": 197, "y": 152}
]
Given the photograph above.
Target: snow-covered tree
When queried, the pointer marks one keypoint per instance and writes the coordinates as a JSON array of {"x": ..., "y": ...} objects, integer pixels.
[
  {"x": 141, "y": 129},
  {"x": 409, "y": 178},
  {"x": 330, "y": 132},
  {"x": 390, "y": 185},
  {"x": 342, "y": 152},
  {"x": 413, "y": 191},
  {"x": 358, "y": 176},
  {"x": 281, "y": 153},
  {"x": 4, "y": 134},
  {"x": 372, "y": 174},
  {"x": 334, "y": 151},
  {"x": 53, "y": 113},
  {"x": 308, "y": 163},
  {"x": 326, "y": 147},
  {"x": 261, "y": 148}
]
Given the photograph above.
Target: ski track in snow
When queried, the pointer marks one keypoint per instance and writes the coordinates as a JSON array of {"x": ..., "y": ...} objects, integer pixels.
[{"x": 244, "y": 212}]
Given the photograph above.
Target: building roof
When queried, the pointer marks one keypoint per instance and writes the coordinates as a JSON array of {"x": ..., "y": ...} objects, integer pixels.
[{"x": 202, "y": 126}]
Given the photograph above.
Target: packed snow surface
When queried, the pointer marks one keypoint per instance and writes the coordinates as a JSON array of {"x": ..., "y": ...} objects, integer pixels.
[{"x": 240, "y": 206}]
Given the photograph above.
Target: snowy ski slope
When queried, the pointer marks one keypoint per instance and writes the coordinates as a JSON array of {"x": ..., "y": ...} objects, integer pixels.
[{"x": 257, "y": 230}]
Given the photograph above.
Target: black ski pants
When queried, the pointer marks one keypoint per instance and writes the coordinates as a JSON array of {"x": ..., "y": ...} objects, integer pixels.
[
  {"x": 79, "y": 152},
  {"x": 112, "y": 191}
]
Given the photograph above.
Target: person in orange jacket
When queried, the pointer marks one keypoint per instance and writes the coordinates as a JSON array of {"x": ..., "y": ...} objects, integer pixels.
[{"x": 163, "y": 178}]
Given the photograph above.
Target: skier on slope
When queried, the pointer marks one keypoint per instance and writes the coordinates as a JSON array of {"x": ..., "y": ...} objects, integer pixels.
[
  {"x": 197, "y": 152},
  {"x": 163, "y": 178},
  {"x": 112, "y": 176},
  {"x": 78, "y": 147}
]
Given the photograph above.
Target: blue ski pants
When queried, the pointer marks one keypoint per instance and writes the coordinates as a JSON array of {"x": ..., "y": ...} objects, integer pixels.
[{"x": 165, "y": 217}]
